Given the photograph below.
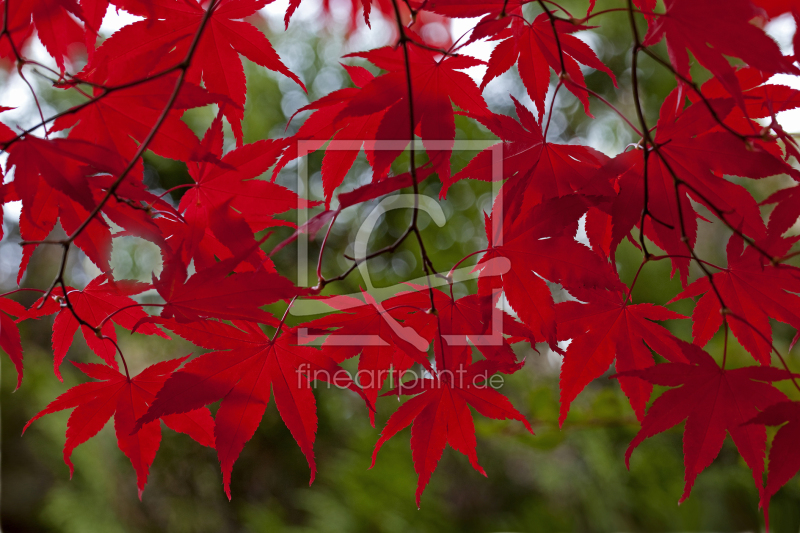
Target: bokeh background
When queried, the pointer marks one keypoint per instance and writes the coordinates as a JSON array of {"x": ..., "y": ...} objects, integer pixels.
[{"x": 573, "y": 479}]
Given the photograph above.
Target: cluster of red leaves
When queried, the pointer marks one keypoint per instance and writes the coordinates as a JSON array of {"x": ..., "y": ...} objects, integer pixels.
[{"x": 86, "y": 173}]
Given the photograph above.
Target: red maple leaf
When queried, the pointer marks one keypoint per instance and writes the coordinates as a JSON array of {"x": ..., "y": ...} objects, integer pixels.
[
  {"x": 694, "y": 153},
  {"x": 549, "y": 170},
  {"x": 540, "y": 246},
  {"x": 374, "y": 332},
  {"x": 243, "y": 375},
  {"x": 440, "y": 413},
  {"x": 713, "y": 401},
  {"x": 215, "y": 292},
  {"x": 347, "y": 135},
  {"x": 535, "y": 50},
  {"x": 102, "y": 298},
  {"x": 234, "y": 182},
  {"x": 122, "y": 119},
  {"x": 753, "y": 292},
  {"x": 126, "y": 399},
  {"x": 437, "y": 84},
  {"x": 686, "y": 25},
  {"x": 10, "y": 340},
  {"x": 164, "y": 39},
  {"x": 56, "y": 29},
  {"x": 470, "y": 319},
  {"x": 604, "y": 328},
  {"x": 784, "y": 461}
]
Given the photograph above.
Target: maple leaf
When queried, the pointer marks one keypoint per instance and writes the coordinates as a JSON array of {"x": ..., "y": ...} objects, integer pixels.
[
  {"x": 63, "y": 164},
  {"x": 102, "y": 298},
  {"x": 170, "y": 26},
  {"x": 753, "y": 292},
  {"x": 57, "y": 179},
  {"x": 540, "y": 246},
  {"x": 121, "y": 120},
  {"x": 94, "y": 11},
  {"x": 784, "y": 462},
  {"x": 713, "y": 401},
  {"x": 56, "y": 29},
  {"x": 19, "y": 29},
  {"x": 694, "y": 151},
  {"x": 786, "y": 212},
  {"x": 242, "y": 376},
  {"x": 471, "y": 318},
  {"x": 218, "y": 293},
  {"x": 550, "y": 170},
  {"x": 10, "y": 340},
  {"x": 761, "y": 99},
  {"x": 324, "y": 124},
  {"x": 374, "y": 332},
  {"x": 233, "y": 182},
  {"x": 125, "y": 399},
  {"x": 435, "y": 82},
  {"x": 535, "y": 50},
  {"x": 440, "y": 414},
  {"x": 495, "y": 15},
  {"x": 685, "y": 25},
  {"x": 608, "y": 328}
]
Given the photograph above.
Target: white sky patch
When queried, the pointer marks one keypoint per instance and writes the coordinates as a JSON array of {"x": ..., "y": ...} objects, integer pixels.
[
  {"x": 115, "y": 19},
  {"x": 479, "y": 50},
  {"x": 782, "y": 29}
]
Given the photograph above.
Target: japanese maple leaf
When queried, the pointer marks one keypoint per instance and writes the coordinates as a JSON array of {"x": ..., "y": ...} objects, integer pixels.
[
  {"x": 549, "y": 170},
  {"x": 786, "y": 212},
  {"x": 440, "y": 414},
  {"x": 436, "y": 82},
  {"x": 126, "y": 399},
  {"x": 94, "y": 11},
  {"x": 165, "y": 37},
  {"x": 235, "y": 182},
  {"x": 217, "y": 292},
  {"x": 540, "y": 246},
  {"x": 762, "y": 99},
  {"x": 102, "y": 298},
  {"x": 533, "y": 47},
  {"x": 59, "y": 179},
  {"x": 252, "y": 367},
  {"x": 43, "y": 206},
  {"x": 694, "y": 150},
  {"x": 221, "y": 233},
  {"x": 373, "y": 332},
  {"x": 10, "y": 340},
  {"x": 471, "y": 319},
  {"x": 63, "y": 164},
  {"x": 56, "y": 29},
  {"x": 121, "y": 120},
  {"x": 712, "y": 400},
  {"x": 686, "y": 26},
  {"x": 753, "y": 292},
  {"x": 348, "y": 135},
  {"x": 20, "y": 30},
  {"x": 607, "y": 328},
  {"x": 48, "y": 206},
  {"x": 784, "y": 461}
]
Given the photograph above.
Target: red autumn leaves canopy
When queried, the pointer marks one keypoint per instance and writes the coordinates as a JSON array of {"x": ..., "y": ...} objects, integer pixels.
[{"x": 694, "y": 163}]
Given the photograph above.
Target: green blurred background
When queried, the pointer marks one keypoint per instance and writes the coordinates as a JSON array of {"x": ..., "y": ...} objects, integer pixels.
[{"x": 573, "y": 479}]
